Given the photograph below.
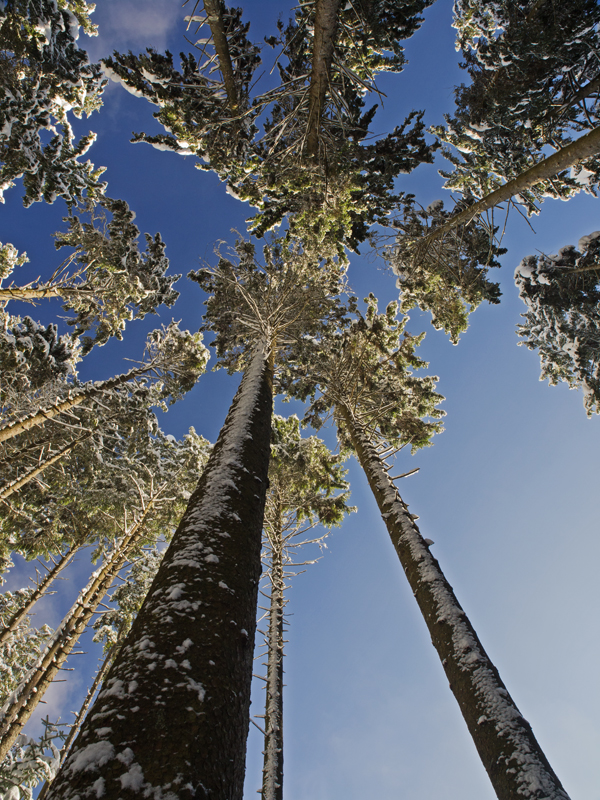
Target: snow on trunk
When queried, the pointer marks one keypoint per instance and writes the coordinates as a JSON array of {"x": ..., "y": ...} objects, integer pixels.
[
  {"x": 172, "y": 719},
  {"x": 272, "y": 786},
  {"x": 514, "y": 761}
]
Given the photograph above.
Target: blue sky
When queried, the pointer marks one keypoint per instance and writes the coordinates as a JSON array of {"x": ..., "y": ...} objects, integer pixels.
[{"x": 509, "y": 492}]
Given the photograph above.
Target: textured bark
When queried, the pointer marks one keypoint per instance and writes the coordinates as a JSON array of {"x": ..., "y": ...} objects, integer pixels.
[
  {"x": 15, "y": 485},
  {"x": 39, "y": 592},
  {"x": 566, "y": 157},
  {"x": 173, "y": 718},
  {"x": 326, "y": 22},
  {"x": 272, "y": 786},
  {"x": 74, "y": 399},
  {"x": 30, "y": 293},
  {"x": 215, "y": 22},
  {"x": 510, "y": 753},
  {"x": 100, "y": 675},
  {"x": 24, "y": 700}
]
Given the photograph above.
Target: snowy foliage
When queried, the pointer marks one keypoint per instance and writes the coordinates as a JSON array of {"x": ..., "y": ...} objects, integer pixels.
[
  {"x": 562, "y": 322},
  {"x": 447, "y": 276},
  {"x": 44, "y": 76},
  {"x": 29, "y": 763},
  {"x": 534, "y": 83}
]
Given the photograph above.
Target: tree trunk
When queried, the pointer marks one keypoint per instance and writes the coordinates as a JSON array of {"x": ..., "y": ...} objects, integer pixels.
[
  {"x": 173, "y": 718},
  {"x": 74, "y": 399},
  {"x": 15, "y": 485},
  {"x": 22, "y": 703},
  {"x": 566, "y": 157},
  {"x": 272, "y": 786},
  {"x": 514, "y": 761},
  {"x": 326, "y": 22},
  {"x": 40, "y": 591},
  {"x": 215, "y": 22},
  {"x": 100, "y": 675},
  {"x": 26, "y": 293}
]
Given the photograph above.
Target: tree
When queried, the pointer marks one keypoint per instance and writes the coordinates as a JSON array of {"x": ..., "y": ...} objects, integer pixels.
[
  {"x": 28, "y": 763},
  {"x": 362, "y": 375},
  {"x": 562, "y": 321},
  {"x": 44, "y": 76},
  {"x": 200, "y": 612},
  {"x": 113, "y": 281},
  {"x": 303, "y": 478},
  {"x": 161, "y": 482}
]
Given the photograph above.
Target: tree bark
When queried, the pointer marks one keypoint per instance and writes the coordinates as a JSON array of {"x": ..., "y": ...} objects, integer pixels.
[
  {"x": 326, "y": 22},
  {"x": 74, "y": 399},
  {"x": 26, "y": 293},
  {"x": 215, "y": 22},
  {"x": 272, "y": 786},
  {"x": 174, "y": 716},
  {"x": 514, "y": 761},
  {"x": 22, "y": 703},
  {"x": 566, "y": 157},
  {"x": 39, "y": 592}
]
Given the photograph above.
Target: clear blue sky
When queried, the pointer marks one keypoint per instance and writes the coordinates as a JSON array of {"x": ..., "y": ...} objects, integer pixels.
[{"x": 509, "y": 492}]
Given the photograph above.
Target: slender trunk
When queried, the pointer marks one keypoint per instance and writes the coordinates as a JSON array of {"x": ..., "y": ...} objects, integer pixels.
[
  {"x": 39, "y": 592},
  {"x": 514, "y": 761},
  {"x": 100, "y": 675},
  {"x": 15, "y": 485},
  {"x": 326, "y": 22},
  {"x": 22, "y": 703},
  {"x": 272, "y": 786},
  {"x": 173, "y": 720},
  {"x": 29, "y": 293},
  {"x": 215, "y": 21},
  {"x": 566, "y": 157},
  {"x": 74, "y": 399}
]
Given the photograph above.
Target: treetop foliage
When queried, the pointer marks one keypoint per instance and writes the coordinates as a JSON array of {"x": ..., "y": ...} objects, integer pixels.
[
  {"x": 562, "y": 321},
  {"x": 44, "y": 75}
]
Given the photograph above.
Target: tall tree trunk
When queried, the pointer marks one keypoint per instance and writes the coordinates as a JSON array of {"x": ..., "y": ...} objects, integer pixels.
[
  {"x": 215, "y": 22},
  {"x": 272, "y": 786},
  {"x": 18, "y": 483},
  {"x": 566, "y": 157},
  {"x": 100, "y": 675},
  {"x": 31, "y": 293},
  {"x": 24, "y": 700},
  {"x": 326, "y": 22},
  {"x": 74, "y": 399},
  {"x": 173, "y": 718},
  {"x": 514, "y": 761},
  {"x": 39, "y": 592}
]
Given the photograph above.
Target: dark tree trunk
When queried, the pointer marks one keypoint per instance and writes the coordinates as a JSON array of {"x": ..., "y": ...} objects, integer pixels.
[
  {"x": 272, "y": 787},
  {"x": 215, "y": 22},
  {"x": 514, "y": 761},
  {"x": 173, "y": 716},
  {"x": 326, "y": 22}
]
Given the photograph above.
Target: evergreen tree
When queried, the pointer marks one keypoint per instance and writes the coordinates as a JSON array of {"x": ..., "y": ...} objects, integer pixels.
[
  {"x": 200, "y": 612},
  {"x": 44, "y": 75},
  {"x": 112, "y": 283},
  {"x": 28, "y": 763},
  {"x": 562, "y": 321},
  {"x": 303, "y": 478},
  {"x": 363, "y": 375}
]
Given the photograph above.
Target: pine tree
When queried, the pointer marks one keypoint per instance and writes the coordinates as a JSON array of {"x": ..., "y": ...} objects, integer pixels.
[
  {"x": 304, "y": 477},
  {"x": 562, "y": 321},
  {"x": 363, "y": 374},
  {"x": 112, "y": 282},
  {"x": 200, "y": 613},
  {"x": 45, "y": 74},
  {"x": 27, "y": 763}
]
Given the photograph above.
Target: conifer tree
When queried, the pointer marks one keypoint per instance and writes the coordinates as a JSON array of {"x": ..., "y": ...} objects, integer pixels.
[
  {"x": 112, "y": 281},
  {"x": 363, "y": 375},
  {"x": 44, "y": 75},
  {"x": 304, "y": 477},
  {"x": 562, "y": 321},
  {"x": 194, "y": 633}
]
